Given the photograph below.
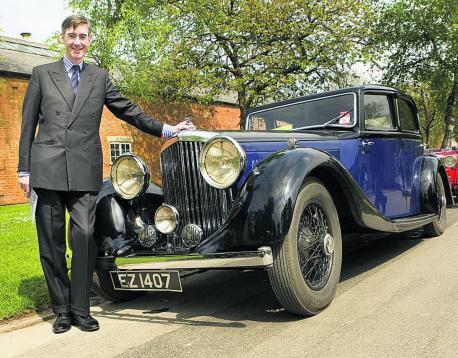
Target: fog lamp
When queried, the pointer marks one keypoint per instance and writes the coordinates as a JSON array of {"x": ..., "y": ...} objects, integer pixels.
[{"x": 166, "y": 219}]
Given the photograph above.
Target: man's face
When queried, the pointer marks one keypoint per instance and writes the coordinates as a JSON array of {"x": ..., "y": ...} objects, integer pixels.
[{"x": 76, "y": 40}]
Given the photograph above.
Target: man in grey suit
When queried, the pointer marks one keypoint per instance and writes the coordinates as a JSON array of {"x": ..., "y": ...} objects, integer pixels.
[{"x": 63, "y": 163}]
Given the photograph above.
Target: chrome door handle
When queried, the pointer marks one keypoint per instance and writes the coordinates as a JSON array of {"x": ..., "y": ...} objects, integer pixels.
[{"x": 366, "y": 145}]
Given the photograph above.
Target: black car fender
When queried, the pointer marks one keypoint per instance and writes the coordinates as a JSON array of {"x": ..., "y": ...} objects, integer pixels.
[
  {"x": 115, "y": 217},
  {"x": 263, "y": 211},
  {"x": 430, "y": 167}
]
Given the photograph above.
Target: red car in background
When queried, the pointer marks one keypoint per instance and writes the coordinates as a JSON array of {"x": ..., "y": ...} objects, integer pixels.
[{"x": 450, "y": 157}]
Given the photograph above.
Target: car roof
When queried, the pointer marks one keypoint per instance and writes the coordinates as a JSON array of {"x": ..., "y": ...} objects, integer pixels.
[{"x": 357, "y": 89}]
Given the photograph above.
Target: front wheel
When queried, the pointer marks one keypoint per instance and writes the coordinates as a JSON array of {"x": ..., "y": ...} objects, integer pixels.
[
  {"x": 102, "y": 286},
  {"x": 437, "y": 226},
  {"x": 306, "y": 268}
]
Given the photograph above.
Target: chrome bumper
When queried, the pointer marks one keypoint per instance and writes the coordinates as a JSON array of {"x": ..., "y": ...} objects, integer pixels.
[{"x": 262, "y": 258}]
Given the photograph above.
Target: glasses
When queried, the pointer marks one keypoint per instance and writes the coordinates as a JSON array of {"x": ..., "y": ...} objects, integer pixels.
[{"x": 72, "y": 37}]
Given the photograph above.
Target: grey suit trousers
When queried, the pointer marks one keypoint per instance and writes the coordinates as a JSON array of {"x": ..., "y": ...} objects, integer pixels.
[{"x": 67, "y": 295}]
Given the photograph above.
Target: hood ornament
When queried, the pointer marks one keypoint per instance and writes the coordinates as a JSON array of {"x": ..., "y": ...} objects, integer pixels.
[{"x": 292, "y": 143}]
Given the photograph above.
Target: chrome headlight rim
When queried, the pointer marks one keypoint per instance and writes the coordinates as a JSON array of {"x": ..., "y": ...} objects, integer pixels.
[
  {"x": 175, "y": 213},
  {"x": 241, "y": 166},
  {"x": 449, "y": 161},
  {"x": 143, "y": 170}
]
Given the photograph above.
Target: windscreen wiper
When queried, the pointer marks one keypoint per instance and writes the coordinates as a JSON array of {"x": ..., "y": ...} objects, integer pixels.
[{"x": 328, "y": 123}]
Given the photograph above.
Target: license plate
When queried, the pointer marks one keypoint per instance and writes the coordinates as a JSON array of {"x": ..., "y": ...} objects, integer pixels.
[{"x": 146, "y": 280}]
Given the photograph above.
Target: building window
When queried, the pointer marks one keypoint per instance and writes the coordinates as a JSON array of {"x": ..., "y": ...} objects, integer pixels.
[{"x": 117, "y": 149}]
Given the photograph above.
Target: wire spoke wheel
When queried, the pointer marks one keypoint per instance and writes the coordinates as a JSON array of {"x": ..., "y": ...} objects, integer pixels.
[
  {"x": 307, "y": 263},
  {"x": 314, "y": 246}
]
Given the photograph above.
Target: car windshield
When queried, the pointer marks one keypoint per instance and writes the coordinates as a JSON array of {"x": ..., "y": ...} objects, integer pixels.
[{"x": 337, "y": 110}]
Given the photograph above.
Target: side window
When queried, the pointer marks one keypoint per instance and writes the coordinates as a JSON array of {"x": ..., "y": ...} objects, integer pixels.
[
  {"x": 377, "y": 112},
  {"x": 406, "y": 116}
]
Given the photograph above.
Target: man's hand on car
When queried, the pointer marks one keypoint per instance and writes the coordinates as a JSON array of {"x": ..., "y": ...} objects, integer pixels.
[{"x": 182, "y": 126}]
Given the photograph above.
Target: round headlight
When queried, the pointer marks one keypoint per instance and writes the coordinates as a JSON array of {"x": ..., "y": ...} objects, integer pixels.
[
  {"x": 221, "y": 162},
  {"x": 166, "y": 219},
  {"x": 450, "y": 161},
  {"x": 129, "y": 175}
]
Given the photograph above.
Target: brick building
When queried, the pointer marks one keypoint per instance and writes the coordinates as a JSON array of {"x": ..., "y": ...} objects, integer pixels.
[{"x": 18, "y": 57}]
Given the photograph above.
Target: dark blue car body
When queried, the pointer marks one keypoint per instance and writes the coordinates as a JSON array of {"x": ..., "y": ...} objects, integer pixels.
[{"x": 387, "y": 171}]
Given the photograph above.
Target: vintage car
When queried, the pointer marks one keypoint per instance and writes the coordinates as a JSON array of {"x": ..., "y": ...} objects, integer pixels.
[
  {"x": 450, "y": 158},
  {"x": 279, "y": 196}
]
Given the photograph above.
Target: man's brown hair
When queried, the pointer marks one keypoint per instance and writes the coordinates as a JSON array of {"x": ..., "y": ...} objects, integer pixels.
[{"x": 73, "y": 21}]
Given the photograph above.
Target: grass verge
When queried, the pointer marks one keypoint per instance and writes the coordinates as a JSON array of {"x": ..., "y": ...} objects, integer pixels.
[{"x": 22, "y": 284}]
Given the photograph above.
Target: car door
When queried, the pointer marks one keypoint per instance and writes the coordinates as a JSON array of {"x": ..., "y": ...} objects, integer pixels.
[
  {"x": 381, "y": 174},
  {"x": 411, "y": 152}
]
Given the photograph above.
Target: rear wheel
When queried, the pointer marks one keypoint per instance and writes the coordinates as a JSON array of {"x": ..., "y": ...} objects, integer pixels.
[
  {"x": 307, "y": 263},
  {"x": 437, "y": 226},
  {"x": 102, "y": 286}
]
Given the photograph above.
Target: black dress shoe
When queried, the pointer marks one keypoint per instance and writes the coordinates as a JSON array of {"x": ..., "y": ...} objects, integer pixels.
[
  {"x": 62, "y": 323},
  {"x": 85, "y": 323}
]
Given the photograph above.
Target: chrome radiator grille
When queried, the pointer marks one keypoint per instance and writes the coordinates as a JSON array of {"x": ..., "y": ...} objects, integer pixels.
[{"x": 184, "y": 187}]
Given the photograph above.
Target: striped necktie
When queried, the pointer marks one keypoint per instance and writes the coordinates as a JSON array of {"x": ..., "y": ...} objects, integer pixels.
[{"x": 75, "y": 80}]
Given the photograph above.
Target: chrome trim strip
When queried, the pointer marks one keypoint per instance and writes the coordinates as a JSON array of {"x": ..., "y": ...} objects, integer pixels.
[
  {"x": 195, "y": 136},
  {"x": 189, "y": 136},
  {"x": 261, "y": 258},
  {"x": 405, "y": 224}
]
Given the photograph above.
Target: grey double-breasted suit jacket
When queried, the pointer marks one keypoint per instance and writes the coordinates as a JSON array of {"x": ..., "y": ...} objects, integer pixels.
[{"x": 66, "y": 153}]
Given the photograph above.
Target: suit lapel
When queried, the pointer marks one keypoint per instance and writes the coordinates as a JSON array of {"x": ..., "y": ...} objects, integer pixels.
[
  {"x": 87, "y": 80},
  {"x": 60, "y": 78}
]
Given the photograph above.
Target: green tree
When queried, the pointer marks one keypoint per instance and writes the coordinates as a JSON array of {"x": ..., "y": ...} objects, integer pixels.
[
  {"x": 420, "y": 40},
  {"x": 264, "y": 50},
  {"x": 429, "y": 104},
  {"x": 261, "y": 50},
  {"x": 130, "y": 40}
]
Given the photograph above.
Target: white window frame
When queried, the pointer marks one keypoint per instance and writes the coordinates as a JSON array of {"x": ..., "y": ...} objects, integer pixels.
[{"x": 121, "y": 147}]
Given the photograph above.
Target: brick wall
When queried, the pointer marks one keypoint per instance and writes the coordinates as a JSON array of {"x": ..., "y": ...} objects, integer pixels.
[
  {"x": 147, "y": 147},
  {"x": 11, "y": 95}
]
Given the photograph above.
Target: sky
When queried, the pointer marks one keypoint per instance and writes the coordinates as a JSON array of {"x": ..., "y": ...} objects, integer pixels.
[{"x": 39, "y": 17}]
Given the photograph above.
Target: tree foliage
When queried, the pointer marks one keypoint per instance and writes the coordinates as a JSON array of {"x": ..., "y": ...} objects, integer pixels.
[
  {"x": 420, "y": 40},
  {"x": 264, "y": 50},
  {"x": 260, "y": 50},
  {"x": 429, "y": 104},
  {"x": 129, "y": 39}
]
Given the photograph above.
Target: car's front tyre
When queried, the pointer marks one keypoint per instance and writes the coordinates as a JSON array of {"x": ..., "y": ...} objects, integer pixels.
[{"x": 306, "y": 268}]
